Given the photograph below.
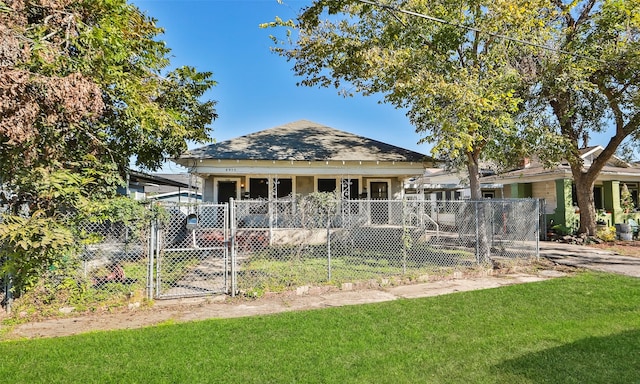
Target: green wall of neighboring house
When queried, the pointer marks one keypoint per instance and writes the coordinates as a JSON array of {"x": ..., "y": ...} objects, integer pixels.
[
  {"x": 611, "y": 195},
  {"x": 566, "y": 213},
  {"x": 521, "y": 190}
]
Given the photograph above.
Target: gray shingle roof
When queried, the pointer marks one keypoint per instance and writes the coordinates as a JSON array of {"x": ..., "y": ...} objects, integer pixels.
[{"x": 303, "y": 140}]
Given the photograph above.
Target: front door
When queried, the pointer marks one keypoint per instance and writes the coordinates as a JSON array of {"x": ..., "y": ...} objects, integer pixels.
[
  {"x": 226, "y": 190},
  {"x": 379, "y": 190}
]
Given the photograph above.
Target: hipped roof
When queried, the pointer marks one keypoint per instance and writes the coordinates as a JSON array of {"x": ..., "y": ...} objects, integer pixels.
[{"x": 306, "y": 141}]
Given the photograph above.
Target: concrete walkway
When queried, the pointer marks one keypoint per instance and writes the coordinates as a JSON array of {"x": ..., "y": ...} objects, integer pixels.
[{"x": 591, "y": 258}]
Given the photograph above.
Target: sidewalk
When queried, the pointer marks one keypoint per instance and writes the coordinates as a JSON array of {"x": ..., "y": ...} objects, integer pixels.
[
  {"x": 306, "y": 298},
  {"x": 585, "y": 257}
]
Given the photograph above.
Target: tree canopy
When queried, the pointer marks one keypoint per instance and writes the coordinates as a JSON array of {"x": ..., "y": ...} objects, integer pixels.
[
  {"x": 429, "y": 57},
  {"x": 587, "y": 84},
  {"x": 484, "y": 80},
  {"x": 85, "y": 87}
]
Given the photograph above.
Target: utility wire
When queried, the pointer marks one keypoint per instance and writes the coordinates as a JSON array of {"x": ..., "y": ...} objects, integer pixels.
[{"x": 500, "y": 36}]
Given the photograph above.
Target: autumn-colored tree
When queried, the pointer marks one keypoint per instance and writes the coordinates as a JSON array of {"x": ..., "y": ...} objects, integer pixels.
[{"x": 84, "y": 88}]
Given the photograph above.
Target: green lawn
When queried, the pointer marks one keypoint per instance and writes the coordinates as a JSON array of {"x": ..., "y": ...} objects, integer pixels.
[{"x": 583, "y": 329}]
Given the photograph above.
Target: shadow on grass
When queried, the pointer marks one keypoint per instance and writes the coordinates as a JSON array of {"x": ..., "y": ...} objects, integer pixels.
[{"x": 610, "y": 359}]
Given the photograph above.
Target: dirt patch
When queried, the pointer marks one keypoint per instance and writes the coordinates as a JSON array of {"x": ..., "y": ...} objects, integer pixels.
[
  {"x": 302, "y": 298},
  {"x": 625, "y": 248}
]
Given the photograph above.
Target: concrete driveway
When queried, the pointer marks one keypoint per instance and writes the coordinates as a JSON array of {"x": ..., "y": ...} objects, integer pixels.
[{"x": 591, "y": 258}]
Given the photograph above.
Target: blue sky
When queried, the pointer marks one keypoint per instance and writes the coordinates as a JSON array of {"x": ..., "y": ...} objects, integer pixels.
[{"x": 256, "y": 88}]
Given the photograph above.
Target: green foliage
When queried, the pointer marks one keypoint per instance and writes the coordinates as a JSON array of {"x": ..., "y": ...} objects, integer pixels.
[
  {"x": 459, "y": 88},
  {"x": 562, "y": 229},
  {"x": 626, "y": 200},
  {"x": 30, "y": 245},
  {"x": 84, "y": 88},
  {"x": 587, "y": 84},
  {"x": 317, "y": 208}
]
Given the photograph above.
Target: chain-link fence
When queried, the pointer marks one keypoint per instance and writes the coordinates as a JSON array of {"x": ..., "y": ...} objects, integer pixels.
[
  {"x": 316, "y": 240},
  {"x": 192, "y": 251},
  {"x": 254, "y": 245},
  {"x": 115, "y": 261}
]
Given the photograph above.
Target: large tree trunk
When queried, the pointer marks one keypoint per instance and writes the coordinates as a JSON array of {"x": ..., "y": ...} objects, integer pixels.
[
  {"x": 584, "y": 182},
  {"x": 483, "y": 249},
  {"x": 584, "y": 193},
  {"x": 473, "y": 168}
]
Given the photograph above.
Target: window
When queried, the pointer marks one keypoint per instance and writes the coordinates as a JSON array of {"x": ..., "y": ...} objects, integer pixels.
[
  {"x": 598, "y": 200},
  {"x": 354, "y": 186},
  {"x": 598, "y": 197},
  {"x": 326, "y": 185},
  {"x": 448, "y": 195},
  {"x": 285, "y": 187},
  {"x": 259, "y": 188}
]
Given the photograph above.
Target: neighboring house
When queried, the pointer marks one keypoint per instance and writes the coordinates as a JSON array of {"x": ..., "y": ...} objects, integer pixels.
[
  {"x": 440, "y": 184},
  {"x": 142, "y": 185},
  {"x": 300, "y": 158},
  {"x": 556, "y": 187},
  {"x": 177, "y": 197}
]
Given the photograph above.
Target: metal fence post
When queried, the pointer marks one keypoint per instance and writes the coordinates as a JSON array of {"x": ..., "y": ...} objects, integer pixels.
[
  {"x": 537, "y": 230},
  {"x": 232, "y": 242},
  {"x": 475, "y": 204},
  {"x": 8, "y": 294},
  {"x": 152, "y": 246},
  {"x": 328, "y": 247}
]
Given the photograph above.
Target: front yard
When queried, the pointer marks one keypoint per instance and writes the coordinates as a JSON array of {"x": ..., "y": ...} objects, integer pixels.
[{"x": 580, "y": 329}]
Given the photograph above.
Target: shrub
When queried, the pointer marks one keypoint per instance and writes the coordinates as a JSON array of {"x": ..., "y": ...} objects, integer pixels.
[{"x": 607, "y": 234}]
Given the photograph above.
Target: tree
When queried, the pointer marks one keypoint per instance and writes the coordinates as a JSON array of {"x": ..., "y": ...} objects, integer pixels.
[
  {"x": 589, "y": 83},
  {"x": 432, "y": 58},
  {"x": 82, "y": 91},
  {"x": 456, "y": 82}
]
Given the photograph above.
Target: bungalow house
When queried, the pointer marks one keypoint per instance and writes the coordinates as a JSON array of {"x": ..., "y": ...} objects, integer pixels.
[
  {"x": 300, "y": 158},
  {"x": 555, "y": 186}
]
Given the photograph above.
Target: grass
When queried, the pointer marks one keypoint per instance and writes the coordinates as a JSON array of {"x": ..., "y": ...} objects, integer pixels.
[
  {"x": 582, "y": 329},
  {"x": 280, "y": 267}
]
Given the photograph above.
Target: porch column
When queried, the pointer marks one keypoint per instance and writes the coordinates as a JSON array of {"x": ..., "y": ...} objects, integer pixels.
[
  {"x": 208, "y": 189},
  {"x": 611, "y": 194}
]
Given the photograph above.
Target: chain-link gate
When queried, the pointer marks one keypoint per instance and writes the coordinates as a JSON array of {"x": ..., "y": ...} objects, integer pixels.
[{"x": 192, "y": 251}]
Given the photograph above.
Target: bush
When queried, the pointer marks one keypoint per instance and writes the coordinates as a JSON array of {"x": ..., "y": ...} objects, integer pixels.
[{"x": 607, "y": 234}]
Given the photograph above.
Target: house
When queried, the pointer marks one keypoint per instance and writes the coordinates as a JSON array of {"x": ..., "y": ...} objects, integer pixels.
[
  {"x": 142, "y": 185},
  {"x": 555, "y": 186},
  {"x": 300, "y": 158},
  {"x": 441, "y": 184},
  {"x": 177, "y": 197}
]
